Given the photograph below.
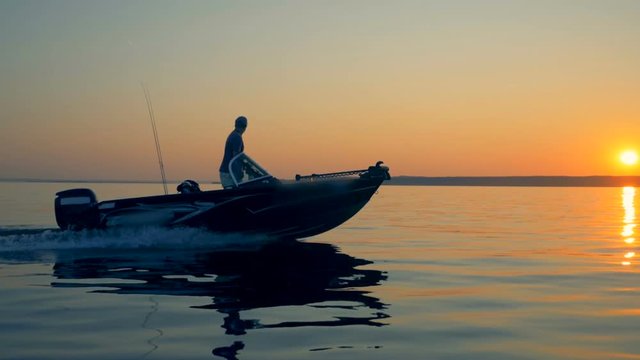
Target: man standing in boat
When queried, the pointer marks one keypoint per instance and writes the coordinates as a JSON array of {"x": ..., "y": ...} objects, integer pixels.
[{"x": 232, "y": 147}]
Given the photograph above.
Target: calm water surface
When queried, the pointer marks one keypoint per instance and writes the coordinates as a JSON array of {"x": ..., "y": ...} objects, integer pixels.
[{"x": 420, "y": 273}]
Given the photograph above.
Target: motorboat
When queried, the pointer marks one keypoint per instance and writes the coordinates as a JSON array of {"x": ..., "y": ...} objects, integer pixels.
[{"x": 257, "y": 203}]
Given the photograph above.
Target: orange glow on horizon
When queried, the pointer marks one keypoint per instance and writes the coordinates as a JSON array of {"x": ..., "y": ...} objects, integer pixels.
[{"x": 324, "y": 96}]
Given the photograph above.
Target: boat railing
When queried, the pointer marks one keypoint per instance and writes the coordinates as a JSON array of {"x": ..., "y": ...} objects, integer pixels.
[
  {"x": 330, "y": 175},
  {"x": 372, "y": 171}
]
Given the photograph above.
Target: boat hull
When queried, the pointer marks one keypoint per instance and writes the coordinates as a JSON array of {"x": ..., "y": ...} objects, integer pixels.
[{"x": 292, "y": 210}]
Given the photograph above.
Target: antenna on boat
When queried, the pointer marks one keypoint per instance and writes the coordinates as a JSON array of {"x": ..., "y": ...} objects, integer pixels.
[{"x": 155, "y": 135}]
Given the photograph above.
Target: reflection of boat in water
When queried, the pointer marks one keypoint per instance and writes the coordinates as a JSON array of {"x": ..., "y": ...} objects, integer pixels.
[
  {"x": 258, "y": 203},
  {"x": 280, "y": 274}
]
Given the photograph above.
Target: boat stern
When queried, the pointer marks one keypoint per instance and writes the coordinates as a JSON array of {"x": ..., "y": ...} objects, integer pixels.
[{"x": 76, "y": 209}]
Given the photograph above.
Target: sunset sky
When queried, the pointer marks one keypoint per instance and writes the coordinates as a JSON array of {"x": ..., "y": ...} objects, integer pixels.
[{"x": 433, "y": 88}]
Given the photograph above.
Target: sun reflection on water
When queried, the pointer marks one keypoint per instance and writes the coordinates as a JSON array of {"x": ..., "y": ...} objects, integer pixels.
[{"x": 628, "y": 198}]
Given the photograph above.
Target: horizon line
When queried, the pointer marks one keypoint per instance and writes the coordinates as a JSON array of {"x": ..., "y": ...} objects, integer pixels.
[{"x": 147, "y": 181}]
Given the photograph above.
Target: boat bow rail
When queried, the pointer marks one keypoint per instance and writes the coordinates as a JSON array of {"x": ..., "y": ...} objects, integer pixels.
[{"x": 376, "y": 171}]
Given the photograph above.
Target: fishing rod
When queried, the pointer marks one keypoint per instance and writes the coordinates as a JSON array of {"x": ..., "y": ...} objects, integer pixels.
[{"x": 147, "y": 96}]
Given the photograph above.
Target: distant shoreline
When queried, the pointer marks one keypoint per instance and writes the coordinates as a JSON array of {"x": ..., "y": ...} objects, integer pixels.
[{"x": 532, "y": 181}]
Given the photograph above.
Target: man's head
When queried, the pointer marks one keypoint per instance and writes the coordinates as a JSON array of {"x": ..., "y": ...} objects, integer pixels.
[{"x": 241, "y": 124}]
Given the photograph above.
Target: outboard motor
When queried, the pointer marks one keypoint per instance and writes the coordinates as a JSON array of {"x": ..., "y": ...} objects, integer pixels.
[
  {"x": 76, "y": 209},
  {"x": 188, "y": 187}
]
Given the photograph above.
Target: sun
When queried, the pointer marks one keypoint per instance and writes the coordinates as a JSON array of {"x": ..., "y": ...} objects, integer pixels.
[{"x": 629, "y": 157}]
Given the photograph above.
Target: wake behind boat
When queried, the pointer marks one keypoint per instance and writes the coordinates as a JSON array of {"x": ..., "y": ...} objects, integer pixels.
[{"x": 257, "y": 204}]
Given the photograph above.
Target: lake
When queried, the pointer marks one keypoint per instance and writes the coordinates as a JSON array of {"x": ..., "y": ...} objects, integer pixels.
[{"x": 419, "y": 273}]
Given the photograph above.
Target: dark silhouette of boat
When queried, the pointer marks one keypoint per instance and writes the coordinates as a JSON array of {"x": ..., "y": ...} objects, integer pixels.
[{"x": 258, "y": 203}]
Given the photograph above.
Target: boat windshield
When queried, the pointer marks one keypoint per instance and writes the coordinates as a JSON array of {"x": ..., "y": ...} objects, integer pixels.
[{"x": 244, "y": 170}]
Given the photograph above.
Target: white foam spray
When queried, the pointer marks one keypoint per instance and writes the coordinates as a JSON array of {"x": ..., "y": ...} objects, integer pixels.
[{"x": 125, "y": 238}]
